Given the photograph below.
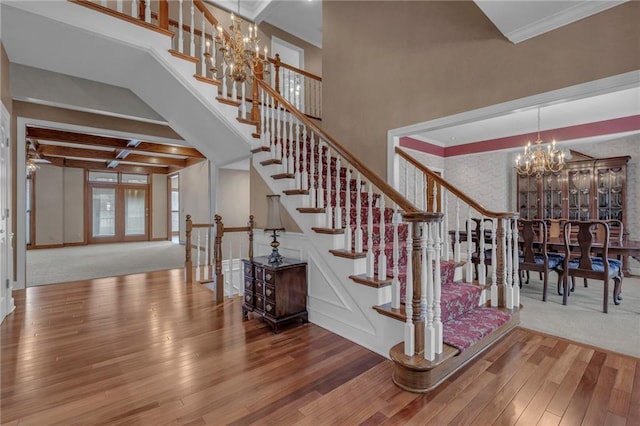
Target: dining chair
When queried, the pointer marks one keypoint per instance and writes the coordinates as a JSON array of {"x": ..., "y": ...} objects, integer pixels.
[
  {"x": 475, "y": 255},
  {"x": 586, "y": 264},
  {"x": 534, "y": 255}
]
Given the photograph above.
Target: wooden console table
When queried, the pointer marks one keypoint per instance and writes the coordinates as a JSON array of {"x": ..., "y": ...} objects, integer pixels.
[{"x": 278, "y": 293}]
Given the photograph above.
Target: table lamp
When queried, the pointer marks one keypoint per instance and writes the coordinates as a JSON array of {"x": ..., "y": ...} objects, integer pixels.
[{"x": 274, "y": 224}]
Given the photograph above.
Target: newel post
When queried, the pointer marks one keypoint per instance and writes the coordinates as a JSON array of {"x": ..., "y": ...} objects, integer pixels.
[
  {"x": 500, "y": 263},
  {"x": 277, "y": 72},
  {"x": 217, "y": 247},
  {"x": 188, "y": 264},
  {"x": 163, "y": 14},
  {"x": 251, "y": 226}
]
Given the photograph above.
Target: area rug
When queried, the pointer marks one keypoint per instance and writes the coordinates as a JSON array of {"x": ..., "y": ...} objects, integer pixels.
[
  {"x": 49, "y": 266},
  {"x": 582, "y": 319}
]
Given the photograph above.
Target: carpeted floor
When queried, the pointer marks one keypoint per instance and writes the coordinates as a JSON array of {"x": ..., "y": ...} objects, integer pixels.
[
  {"x": 582, "y": 319},
  {"x": 49, "y": 266}
]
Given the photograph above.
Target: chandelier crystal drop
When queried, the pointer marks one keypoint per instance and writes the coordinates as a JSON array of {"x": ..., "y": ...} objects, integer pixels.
[
  {"x": 540, "y": 160},
  {"x": 241, "y": 52}
]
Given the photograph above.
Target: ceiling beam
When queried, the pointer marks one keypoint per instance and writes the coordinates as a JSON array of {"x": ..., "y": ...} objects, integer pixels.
[
  {"x": 109, "y": 142},
  {"x": 63, "y": 151},
  {"x": 102, "y": 166}
]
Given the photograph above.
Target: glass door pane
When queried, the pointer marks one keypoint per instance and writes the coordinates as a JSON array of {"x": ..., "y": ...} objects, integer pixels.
[
  {"x": 104, "y": 212},
  {"x": 135, "y": 207}
]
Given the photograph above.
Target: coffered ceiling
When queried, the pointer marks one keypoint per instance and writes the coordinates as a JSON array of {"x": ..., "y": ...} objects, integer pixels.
[{"x": 98, "y": 152}]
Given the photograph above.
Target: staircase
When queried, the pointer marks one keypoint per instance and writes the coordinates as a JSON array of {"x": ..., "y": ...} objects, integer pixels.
[{"x": 380, "y": 267}]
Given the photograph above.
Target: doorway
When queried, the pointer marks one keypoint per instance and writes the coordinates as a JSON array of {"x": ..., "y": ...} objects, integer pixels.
[
  {"x": 118, "y": 208},
  {"x": 6, "y": 237},
  {"x": 291, "y": 84}
]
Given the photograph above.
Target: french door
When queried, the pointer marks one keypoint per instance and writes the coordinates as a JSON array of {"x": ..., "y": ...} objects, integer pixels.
[{"x": 118, "y": 213}]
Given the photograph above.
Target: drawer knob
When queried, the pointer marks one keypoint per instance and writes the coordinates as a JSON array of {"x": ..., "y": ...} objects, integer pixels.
[
  {"x": 247, "y": 297},
  {"x": 268, "y": 291},
  {"x": 269, "y": 307},
  {"x": 268, "y": 276}
]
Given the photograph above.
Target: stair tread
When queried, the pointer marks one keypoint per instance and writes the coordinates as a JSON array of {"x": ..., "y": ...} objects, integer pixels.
[
  {"x": 332, "y": 231},
  {"x": 485, "y": 320},
  {"x": 372, "y": 282}
]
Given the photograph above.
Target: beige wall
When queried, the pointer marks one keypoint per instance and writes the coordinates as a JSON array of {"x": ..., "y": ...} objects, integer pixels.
[
  {"x": 392, "y": 64},
  {"x": 49, "y": 203},
  {"x": 194, "y": 195},
  {"x": 73, "y": 180},
  {"x": 159, "y": 207},
  {"x": 232, "y": 192}
]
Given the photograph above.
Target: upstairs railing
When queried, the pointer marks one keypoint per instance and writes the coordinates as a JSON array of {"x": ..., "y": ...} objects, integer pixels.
[
  {"x": 218, "y": 251},
  {"x": 465, "y": 220},
  {"x": 197, "y": 38}
]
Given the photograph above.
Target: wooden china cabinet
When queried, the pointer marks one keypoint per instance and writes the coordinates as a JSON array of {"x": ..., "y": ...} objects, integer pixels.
[{"x": 586, "y": 188}]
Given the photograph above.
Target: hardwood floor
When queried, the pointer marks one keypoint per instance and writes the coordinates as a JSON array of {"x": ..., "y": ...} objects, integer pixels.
[{"x": 148, "y": 349}]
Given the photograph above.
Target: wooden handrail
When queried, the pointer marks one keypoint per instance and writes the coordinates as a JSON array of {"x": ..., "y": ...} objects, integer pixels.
[
  {"x": 454, "y": 190},
  {"x": 366, "y": 172},
  {"x": 276, "y": 61}
]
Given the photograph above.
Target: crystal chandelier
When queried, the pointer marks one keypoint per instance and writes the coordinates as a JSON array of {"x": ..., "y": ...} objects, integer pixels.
[
  {"x": 539, "y": 161},
  {"x": 241, "y": 52}
]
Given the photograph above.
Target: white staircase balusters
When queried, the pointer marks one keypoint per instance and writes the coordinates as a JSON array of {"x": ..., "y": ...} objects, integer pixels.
[
  {"x": 482, "y": 267},
  {"x": 119, "y": 6},
  {"x": 198, "y": 256},
  {"x": 320, "y": 185},
  {"x": 446, "y": 248},
  {"x": 395, "y": 285},
  {"x": 206, "y": 255},
  {"x": 370, "y": 255},
  {"x": 103, "y": 3},
  {"x": 243, "y": 103},
  {"x": 225, "y": 89},
  {"x": 264, "y": 138},
  {"x": 192, "y": 30},
  {"x": 277, "y": 141},
  {"x": 516, "y": 263},
  {"x": 348, "y": 234},
  {"x": 508, "y": 261},
  {"x": 313, "y": 182},
  {"x": 409, "y": 327},
  {"x": 147, "y": 11},
  {"x": 469, "y": 276},
  {"x": 382, "y": 257},
  {"x": 304, "y": 174},
  {"x": 427, "y": 296},
  {"x": 359, "y": 234},
  {"x": 337, "y": 210},
  {"x": 437, "y": 291},
  {"x": 293, "y": 149},
  {"x": 494, "y": 270},
  {"x": 180, "y": 47},
  {"x": 328, "y": 198},
  {"x": 406, "y": 178},
  {"x": 234, "y": 90},
  {"x": 456, "y": 249},
  {"x": 203, "y": 46},
  {"x": 134, "y": 8}
]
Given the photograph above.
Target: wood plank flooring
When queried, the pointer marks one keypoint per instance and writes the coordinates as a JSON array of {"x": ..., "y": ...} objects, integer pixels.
[{"x": 148, "y": 349}]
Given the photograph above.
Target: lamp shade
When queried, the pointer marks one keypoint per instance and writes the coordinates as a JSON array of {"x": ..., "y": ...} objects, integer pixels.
[{"x": 273, "y": 213}]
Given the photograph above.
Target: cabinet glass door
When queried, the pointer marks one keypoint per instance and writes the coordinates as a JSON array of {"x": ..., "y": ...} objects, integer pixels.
[
  {"x": 528, "y": 197},
  {"x": 579, "y": 189},
  {"x": 552, "y": 196},
  {"x": 609, "y": 182}
]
